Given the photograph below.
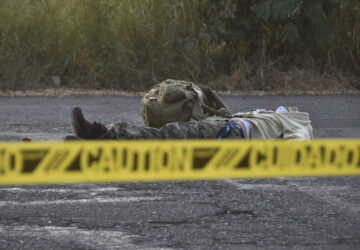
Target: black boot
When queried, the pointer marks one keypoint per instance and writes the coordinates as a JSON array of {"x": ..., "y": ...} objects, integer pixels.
[
  {"x": 85, "y": 129},
  {"x": 72, "y": 138}
]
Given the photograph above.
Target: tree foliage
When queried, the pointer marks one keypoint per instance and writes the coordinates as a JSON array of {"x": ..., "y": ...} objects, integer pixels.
[
  {"x": 274, "y": 28},
  {"x": 292, "y": 23}
]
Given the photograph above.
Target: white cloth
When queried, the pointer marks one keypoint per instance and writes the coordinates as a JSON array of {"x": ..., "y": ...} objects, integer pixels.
[{"x": 269, "y": 125}]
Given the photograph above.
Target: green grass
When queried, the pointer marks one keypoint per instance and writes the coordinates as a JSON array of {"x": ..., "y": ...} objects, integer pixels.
[
  {"x": 93, "y": 43},
  {"x": 132, "y": 44}
]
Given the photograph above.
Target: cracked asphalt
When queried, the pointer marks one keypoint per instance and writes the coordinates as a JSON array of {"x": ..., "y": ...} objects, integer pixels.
[{"x": 279, "y": 213}]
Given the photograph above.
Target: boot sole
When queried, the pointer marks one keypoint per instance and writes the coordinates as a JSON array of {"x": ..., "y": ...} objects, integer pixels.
[
  {"x": 76, "y": 115},
  {"x": 73, "y": 138}
]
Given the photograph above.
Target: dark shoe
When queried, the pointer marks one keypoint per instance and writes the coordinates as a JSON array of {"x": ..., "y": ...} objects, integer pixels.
[
  {"x": 73, "y": 138},
  {"x": 85, "y": 129}
]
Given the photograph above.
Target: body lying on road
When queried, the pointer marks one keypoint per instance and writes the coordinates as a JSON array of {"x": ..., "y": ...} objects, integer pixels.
[
  {"x": 175, "y": 109},
  {"x": 284, "y": 123}
]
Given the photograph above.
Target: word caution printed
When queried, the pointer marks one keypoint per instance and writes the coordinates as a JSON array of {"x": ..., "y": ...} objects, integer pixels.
[{"x": 108, "y": 161}]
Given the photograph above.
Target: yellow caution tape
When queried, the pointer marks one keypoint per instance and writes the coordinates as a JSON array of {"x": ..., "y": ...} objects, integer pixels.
[{"x": 109, "y": 161}]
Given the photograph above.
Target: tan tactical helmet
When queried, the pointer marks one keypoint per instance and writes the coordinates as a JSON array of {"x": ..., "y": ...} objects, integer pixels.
[{"x": 179, "y": 101}]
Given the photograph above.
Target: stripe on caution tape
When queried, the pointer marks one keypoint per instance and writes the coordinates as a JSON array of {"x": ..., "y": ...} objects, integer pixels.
[{"x": 107, "y": 161}]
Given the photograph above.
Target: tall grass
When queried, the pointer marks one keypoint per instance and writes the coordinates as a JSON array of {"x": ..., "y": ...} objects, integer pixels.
[
  {"x": 99, "y": 43},
  {"x": 131, "y": 44},
  {"x": 345, "y": 23}
]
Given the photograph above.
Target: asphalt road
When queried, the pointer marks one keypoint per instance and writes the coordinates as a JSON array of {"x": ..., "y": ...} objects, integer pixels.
[{"x": 281, "y": 213}]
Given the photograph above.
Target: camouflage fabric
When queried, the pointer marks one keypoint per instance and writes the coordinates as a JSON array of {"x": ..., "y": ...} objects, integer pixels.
[
  {"x": 208, "y": 128},
  {"x": 180, "y": 101},
  {"x": 254, "y": 125}
]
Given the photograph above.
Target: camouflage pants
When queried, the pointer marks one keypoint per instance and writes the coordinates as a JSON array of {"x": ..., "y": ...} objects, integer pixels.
[{"x": 177, "y": 130}]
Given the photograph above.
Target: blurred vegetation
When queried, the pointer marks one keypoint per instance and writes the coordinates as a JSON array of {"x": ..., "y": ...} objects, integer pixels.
[{"x": 228, "y": 44}]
